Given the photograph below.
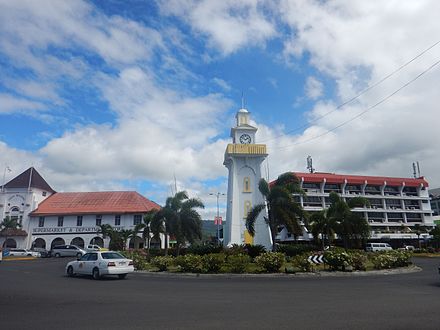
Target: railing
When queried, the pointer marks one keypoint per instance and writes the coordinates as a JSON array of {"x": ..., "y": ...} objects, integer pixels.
[{"x": 247, "y": 149}]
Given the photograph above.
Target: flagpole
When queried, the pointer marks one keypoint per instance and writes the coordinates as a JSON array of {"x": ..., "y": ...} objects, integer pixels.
[{"x": 218, "y": 194}]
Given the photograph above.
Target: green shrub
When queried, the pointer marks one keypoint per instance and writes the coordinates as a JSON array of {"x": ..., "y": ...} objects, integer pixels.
[
  {"x": 254, "y": 250},
  {"x": 203, "y": 249},
  {"x": 359, "y": 261},
  {"x": 190, "y": 263},
  {"x": 391, "y": 259},
  {"x": 270, "y": 261},
  {"x": 162, "y": 262},
  {"x": 212, "y": 263},
  {"x": 138, "y": 257},
  {"x": 237, "y": 263},
  {"x": 236, "y": 249},
  {"x": 301, "y": 262},
  {"x": 337, "y": 259},
  {"x": 292, "y": 250}
]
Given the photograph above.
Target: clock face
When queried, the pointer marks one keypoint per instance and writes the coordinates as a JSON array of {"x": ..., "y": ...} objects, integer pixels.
[{"x": 245, "y": 139}]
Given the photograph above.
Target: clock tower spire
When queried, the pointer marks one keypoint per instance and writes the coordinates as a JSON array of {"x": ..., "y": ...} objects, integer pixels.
[{"x": 243, "y": 158}]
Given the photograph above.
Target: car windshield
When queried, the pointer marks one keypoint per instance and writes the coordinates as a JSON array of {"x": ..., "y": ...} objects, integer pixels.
[{"x": 112, "y": 255}]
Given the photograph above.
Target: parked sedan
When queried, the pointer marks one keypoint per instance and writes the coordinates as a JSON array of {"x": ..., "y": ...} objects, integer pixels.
[
  {"x": 23, "y": 252},
  {"x": 100, "y": 263}
]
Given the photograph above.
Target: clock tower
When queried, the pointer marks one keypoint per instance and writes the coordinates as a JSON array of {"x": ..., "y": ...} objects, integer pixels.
[{"x": 243, "y": 158}]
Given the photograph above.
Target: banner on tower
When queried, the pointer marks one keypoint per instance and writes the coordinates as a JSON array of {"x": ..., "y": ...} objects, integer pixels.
[{"x": 218, "y": 220}]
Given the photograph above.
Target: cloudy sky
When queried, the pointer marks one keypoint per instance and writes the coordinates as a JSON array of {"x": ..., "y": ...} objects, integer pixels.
[{"x": 128, "y": 95}]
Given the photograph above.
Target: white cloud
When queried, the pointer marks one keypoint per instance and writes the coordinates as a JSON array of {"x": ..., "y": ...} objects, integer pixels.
[
  {"x": 221, "y": 83},
  {"x": 228, "y": 25},
  {"x": 314, "y": 88},
  {"x": 10, "y": 104},
  {"x": 357, "y": 43}
]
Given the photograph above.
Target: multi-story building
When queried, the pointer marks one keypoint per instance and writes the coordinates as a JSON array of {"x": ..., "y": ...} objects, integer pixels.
[
  {"x": 434, "y": 194},
  {"x": 51, "y": 218},
  {"x": 396, "y": 205}
]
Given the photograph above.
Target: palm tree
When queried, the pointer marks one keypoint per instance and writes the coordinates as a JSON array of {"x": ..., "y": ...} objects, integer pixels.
[
  {"x": 146, "y": 228},
  {"x": 322, "y": 224},
  {"x": 180, "y": 219},
  {"x": 7, "y": 225},
  {"x": 282, "y": 210},
  {"x": 124, "y": 236},
  {"x": 419, "y": 230},
  {"x": 349, "y": 225}
]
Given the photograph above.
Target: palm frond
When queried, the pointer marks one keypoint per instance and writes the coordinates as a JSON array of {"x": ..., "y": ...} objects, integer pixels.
[
  {"x": 252, "y": 218},
  {"x": 264, "y": 188}
]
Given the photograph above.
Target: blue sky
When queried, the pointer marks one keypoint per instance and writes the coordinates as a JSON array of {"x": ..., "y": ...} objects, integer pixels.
[{"x": 106, "y": 95}]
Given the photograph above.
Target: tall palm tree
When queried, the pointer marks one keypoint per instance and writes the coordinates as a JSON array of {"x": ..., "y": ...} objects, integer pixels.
[
  {"x": 147, "y": 230},
  {"x": 7, "y": 225},
  {"x": 418, "y": 231},
  {"x": 322, "y": 224},
  {"x": 180, "y": 218},
  {"x": 350, "y": 226},
  {"x": 282, "y": 210},
  {"x": 125, "y": 235}
]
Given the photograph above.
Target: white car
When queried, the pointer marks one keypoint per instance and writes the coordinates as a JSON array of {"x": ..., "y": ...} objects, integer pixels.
[
  {"x": 23, "y": 253},
  {"x": 100, "y": 263}
]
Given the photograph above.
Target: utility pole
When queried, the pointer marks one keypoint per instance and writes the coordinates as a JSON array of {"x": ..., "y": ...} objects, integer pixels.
[{"x": 217, "y": 219}]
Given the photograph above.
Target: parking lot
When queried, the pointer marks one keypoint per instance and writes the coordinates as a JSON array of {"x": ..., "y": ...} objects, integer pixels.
[{"x": 36, "y": 294}]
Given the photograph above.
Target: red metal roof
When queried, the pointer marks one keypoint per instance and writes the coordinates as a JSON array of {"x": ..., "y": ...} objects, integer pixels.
[
  {"x": 360, "y": 179},
  {"x": 108, "y": 202}
]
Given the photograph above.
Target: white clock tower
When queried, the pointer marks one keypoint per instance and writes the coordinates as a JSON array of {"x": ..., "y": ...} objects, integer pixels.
[{"x": 243, "y": 159}]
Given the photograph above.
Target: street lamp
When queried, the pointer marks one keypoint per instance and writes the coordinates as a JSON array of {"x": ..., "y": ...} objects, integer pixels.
[{"x": 218, "y": 194}]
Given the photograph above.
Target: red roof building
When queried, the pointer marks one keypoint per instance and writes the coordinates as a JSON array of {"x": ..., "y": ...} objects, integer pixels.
[
  {"x": 108, "y": 202},
  {"x": 395, "y": 205}
]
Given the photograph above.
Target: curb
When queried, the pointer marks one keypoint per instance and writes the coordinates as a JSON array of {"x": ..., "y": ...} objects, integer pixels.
[
  {"x": 18, "y": 258},
  {"x": 395, "y": 271}
]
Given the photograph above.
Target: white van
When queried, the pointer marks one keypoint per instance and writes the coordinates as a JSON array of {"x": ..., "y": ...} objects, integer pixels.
[{"x": 373, "y": 247}]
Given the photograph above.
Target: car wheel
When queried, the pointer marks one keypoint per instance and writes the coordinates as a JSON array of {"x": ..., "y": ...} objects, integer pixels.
[
  {"x": 122, "y": 276},
  {"x": 57, "y": 255},
  {"x": 96, "y": 274},
  {"x": 70, "y": 271},
  {"x": 79, "y": 255}
]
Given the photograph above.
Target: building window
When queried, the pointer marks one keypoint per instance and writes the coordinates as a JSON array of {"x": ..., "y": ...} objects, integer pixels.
[
  {"x": 98, "y": 220},
  {"x": 117, "y": 220},
  {"x": 41, "y": 222},
  {"x": 247, "y": 208},
  {"x": 44, "y": 193},
  {"x": 60, "y": 221},
  {"x": 137, "y": 219},
  {"x": 79, "y": 221},
  {"x": 247, "y": 184}
]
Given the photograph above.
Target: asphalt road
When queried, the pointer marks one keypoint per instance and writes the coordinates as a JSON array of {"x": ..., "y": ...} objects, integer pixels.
[{"x": 36, "y": 295}]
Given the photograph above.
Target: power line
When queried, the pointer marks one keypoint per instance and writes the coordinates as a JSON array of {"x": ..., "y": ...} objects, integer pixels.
[
  {"x": 365, "y": 111},
  {"x": 356, "y": 96}
]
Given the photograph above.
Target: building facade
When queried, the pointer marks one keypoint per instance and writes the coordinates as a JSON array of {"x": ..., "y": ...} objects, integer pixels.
[
  {"x": 396, "y": 205},
  {"x": 243, "y": 158},
  {"x": 434, "y": 194},
  {"x": 49, "y": 218}
]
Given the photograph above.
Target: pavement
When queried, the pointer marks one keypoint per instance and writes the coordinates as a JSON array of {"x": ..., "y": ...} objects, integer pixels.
[{"x": 37, "y": 295}]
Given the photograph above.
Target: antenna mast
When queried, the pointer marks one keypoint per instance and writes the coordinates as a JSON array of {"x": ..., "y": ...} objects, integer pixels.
[{"x": 310, "y": 164}]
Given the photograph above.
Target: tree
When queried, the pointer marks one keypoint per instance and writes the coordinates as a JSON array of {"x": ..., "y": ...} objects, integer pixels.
[
  {"x": 435, "y": 232},
  {"x": 179, "y": 218},
  {"x": 7, "y": 225},
  {"x": 125, "y": 235},
  {"x": 418, "y": 231},
  {"x": 322, "y": 224},
  {"x": 350, "y": 226},
  {"x": 116, "y": 242},
  {"x": 282, "y": 210}
]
